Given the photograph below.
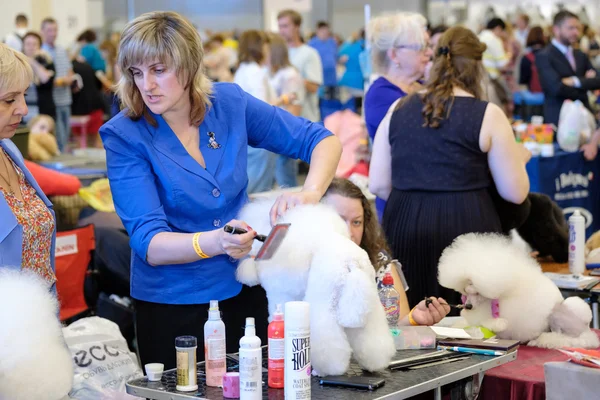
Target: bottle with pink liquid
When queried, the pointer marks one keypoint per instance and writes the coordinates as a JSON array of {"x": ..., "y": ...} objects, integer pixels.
[{"x": 214, "y": 346}]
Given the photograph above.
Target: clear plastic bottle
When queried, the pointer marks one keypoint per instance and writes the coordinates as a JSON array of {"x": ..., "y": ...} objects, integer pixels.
[
  {"x": 214, "y": 346},
  {"x": 389, "y": 298}
]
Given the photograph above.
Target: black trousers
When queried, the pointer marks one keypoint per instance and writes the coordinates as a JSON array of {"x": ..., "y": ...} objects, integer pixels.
[
  {"x": 112, "y": 260},
  {"x": 157, "y": 325}
]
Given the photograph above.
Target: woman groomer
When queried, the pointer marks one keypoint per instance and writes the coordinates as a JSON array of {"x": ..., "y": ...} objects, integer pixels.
[
  {"x": 354, "y": 208},
  {"x": 177, "y": 162},
  {"x": 27, "y": 227}
]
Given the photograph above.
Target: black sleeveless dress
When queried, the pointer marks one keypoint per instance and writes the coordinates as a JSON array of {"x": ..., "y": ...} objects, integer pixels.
[{"x": 441, "y": 183}]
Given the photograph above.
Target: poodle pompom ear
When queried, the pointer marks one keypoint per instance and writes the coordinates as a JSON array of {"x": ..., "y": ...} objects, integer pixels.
[{"x": 490, "y": 262}]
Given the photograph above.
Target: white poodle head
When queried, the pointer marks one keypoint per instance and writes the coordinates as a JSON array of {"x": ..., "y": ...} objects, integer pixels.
[
  {"x": 488, "y": 265},
  {"x": 307, "y": 221}
]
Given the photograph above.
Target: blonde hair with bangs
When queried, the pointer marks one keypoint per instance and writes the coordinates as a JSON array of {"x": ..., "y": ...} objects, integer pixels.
[
  {"x": 390, "y": 31},
  {"x": 15, "y": 71},
  {"x": 171, "y": 39}
]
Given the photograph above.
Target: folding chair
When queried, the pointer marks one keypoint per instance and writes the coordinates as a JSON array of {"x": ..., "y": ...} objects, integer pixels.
[{"x": 74, "y": 250}]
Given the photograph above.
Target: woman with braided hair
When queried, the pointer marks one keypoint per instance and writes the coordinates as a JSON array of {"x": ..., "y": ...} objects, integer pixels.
[{"x": 435, "y": 157}]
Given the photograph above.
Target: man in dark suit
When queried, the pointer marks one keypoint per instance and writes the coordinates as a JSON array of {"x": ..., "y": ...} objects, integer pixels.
[{"x": 565, "y": 73}]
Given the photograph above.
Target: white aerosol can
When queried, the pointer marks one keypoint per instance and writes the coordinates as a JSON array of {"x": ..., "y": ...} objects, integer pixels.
[
  {"x": 576, "y": 243},
  {"x": 297, "y": 369}
]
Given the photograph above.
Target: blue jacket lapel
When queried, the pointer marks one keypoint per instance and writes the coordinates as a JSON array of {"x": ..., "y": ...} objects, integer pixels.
[
  {"x": 18, "y": 159},
  {"x": 165, "y": 141},
  {"x": 213, "y": 141}
]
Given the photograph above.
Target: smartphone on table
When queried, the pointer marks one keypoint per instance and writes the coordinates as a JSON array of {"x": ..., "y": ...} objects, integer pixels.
[{"x": 355, "y": 382}]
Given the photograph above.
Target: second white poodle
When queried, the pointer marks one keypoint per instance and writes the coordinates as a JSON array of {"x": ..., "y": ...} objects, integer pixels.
[{"x": 510, "y": 294}]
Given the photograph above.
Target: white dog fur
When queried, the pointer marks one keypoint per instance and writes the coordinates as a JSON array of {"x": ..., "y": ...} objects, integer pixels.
[
  {"x": 35, "y": 362},
  {"x": 318, "y": 263},
  {"x": 531, "y": 307}
]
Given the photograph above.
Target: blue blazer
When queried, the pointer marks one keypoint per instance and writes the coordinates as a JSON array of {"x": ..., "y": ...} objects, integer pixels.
[
  {"x": 158, "y": 187},
  {"x": 11, "y": 233}
]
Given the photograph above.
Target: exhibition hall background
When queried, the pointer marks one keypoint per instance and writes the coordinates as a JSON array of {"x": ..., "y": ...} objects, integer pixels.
[{"x": 345, "y": 16}]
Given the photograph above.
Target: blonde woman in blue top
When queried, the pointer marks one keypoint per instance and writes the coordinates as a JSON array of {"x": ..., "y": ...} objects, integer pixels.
[{"x": 177, "y": 162}]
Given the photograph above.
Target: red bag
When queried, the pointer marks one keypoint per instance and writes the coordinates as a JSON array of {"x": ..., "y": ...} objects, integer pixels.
[{"x": 73, "y": 255}]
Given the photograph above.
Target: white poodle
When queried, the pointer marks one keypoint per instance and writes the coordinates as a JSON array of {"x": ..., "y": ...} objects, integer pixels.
[
  {"x": 510, "y": 294},
  {"x": 317, "y": 262},
  {"x": 35, "y": 362}
]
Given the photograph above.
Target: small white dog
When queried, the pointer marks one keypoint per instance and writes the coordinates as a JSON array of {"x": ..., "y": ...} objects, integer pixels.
[
  {"x": 318, "y": 263},
  {"x": 510, "y": 294},
  {"x": 35, "y": 362}
]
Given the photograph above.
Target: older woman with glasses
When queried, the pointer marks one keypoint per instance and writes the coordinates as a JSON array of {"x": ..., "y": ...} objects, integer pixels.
[{"x": 400, "y": 53}]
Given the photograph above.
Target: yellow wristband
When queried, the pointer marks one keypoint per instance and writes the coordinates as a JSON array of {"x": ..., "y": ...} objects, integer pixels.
[
  {"x": 197, "y": 248},
  {"x": 411, "y": 319}
]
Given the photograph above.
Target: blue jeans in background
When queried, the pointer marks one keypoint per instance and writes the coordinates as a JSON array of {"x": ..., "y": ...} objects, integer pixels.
[
  {"x": 63, "y": 126},
  {"x": 286, "y": 172},
  {"x": 261, "y": 170}
]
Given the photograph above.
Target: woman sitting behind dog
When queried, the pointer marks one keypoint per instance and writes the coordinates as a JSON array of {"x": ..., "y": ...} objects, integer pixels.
[{"x": 352, "y": 205}]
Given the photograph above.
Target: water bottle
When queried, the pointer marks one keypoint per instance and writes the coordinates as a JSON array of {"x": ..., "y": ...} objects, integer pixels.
[{"x": 389, "y": 298}]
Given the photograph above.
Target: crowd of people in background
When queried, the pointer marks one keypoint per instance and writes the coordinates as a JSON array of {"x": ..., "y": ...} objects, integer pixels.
[
  {"x": 511, "y": 65},
  {"x": 329, "y": 67}
]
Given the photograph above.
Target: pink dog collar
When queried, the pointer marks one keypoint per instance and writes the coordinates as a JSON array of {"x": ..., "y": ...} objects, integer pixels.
[{"x": 495, "y": 306}]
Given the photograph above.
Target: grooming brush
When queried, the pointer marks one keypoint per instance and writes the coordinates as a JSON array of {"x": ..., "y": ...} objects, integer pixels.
[
  {"x": 270, "y": 243},
  {"x": 457, "y": 306}
]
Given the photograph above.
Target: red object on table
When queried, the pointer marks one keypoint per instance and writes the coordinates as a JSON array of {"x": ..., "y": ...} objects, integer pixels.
[{"x": 522, "y": 379}]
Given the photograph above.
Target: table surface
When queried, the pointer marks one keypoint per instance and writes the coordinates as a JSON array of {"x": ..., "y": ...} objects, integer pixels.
[
  {"x": 549, "y": 266},
  {"x": 398, "y": 384}
]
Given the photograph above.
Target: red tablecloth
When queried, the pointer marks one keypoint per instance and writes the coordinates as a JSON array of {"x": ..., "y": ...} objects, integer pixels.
[{"x": 522, "y": 379}]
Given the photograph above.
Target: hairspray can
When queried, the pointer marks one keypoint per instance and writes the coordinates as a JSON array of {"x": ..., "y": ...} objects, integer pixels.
[
  {"x": 297, "y": 369},
  {"x": 576, "y": 243}
]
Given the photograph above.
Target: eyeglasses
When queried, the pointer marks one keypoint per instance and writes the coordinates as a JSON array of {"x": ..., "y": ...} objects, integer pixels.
[{"x": 416, "y": 47}]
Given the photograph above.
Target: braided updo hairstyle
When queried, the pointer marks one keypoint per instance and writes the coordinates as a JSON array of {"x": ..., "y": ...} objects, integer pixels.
[{"x": 456, "y": 63}]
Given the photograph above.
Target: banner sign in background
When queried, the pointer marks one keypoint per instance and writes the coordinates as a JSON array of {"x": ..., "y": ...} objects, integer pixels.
[{"x": 572, "y": 182}]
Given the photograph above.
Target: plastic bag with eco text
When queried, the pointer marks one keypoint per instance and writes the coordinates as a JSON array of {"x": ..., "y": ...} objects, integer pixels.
[{"x": 102, "y": 360}]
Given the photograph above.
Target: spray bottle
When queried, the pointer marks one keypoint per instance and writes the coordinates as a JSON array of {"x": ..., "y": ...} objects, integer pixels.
[
  {"x": 250, "y": 364},
  {"x": 297, "y": 351},
  {"x": 576, "y": 243},
  {"x": 214, "y": 346},
  {"x": 276, "y": 350}
]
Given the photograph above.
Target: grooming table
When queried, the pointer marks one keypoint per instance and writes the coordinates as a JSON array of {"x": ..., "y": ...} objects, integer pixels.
[
  {"x": 398, "y": 384},
  {"x": 523, "y": 378}
]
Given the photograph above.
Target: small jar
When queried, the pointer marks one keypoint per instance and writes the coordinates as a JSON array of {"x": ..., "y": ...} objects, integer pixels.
[{"x": 186, "y": 363}]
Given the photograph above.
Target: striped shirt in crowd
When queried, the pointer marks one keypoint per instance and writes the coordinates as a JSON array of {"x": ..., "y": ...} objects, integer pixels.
[{"x": 61, "y": 94}]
